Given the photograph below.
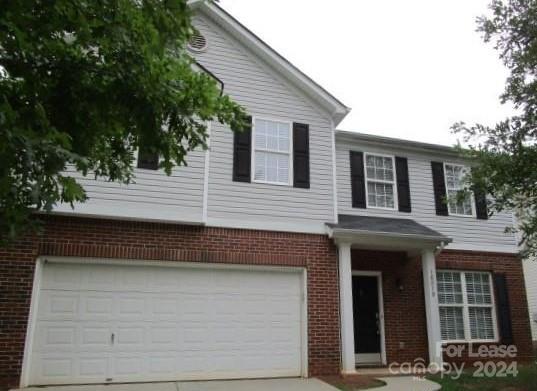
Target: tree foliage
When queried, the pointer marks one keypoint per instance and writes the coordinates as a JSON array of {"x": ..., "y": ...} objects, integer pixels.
[
  {"x": 85, "y": 83},
  {"x": 506, "y": 153}
]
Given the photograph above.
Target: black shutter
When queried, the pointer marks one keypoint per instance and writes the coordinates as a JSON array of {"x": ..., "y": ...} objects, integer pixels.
[
  {"x": 357, "y": 179},
  {"x": 242, "y": 153},
  {"x": 503, "y": 309},
  {"x": 147, "y": 159},
  {"x": 301, "y": 156},
  {"x": 403, "y": 185},
  {"x": 439, "y": 187},
  {"x": 481, "y": 205}
]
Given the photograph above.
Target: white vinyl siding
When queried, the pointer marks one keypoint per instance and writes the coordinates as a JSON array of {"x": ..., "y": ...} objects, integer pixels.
[
  {"x": 151, "y": 195},
  {"x": 467, "y": 233},
  {"x": 180, "y": 197},
  {"x": 454, "y": 177},
  {"x": 380, "y": 179},
  {"x": 466, "y": 306},
  {"x": 272, "y": 151},
  {"x": 265, "y": 95}
]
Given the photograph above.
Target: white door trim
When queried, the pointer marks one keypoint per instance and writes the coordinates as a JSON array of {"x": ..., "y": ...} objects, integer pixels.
[
  {"x": 42, "y": 260},
  {"x": 377, "y": 274},
  {"x": 30, "y": 327},
  {"x": 174, "y": 264},
  {"x": 304, "y": 320}
]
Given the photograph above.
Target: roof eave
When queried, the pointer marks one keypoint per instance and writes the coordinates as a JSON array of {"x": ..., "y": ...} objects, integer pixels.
[
  {"x": 400, "y": 143},
  {"x": 387, "y": 240},
  {"x": 336, "y": 109}
]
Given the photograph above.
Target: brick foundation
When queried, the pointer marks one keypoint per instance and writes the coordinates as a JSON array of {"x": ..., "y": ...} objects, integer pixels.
[
  {"x": 404, "y": 313},
  {"x": 511, "y": 266},
  {"x": 405, "y": 323},
  {"x": 67, "y": 236}
]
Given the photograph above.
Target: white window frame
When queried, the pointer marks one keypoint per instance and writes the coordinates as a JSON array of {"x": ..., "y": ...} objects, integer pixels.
[
  {"x": 252, "y": 171},
  {"x": 393, "y": 183},
  {"x": 470, "y": 194},
  {"x": 466, "y": 312}
]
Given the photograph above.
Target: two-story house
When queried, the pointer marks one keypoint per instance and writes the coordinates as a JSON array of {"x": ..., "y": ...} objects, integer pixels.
[{"x": 290, "y": 249}]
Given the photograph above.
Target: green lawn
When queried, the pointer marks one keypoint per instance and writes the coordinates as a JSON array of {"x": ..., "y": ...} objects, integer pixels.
[{"x": 526, "y": 380}]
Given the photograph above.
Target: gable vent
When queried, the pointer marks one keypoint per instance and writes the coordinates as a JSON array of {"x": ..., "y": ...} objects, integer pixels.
[{"x": 197, "y": 42}]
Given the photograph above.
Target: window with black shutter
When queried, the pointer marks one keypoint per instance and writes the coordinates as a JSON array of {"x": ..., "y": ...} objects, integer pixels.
[
  {"x": 403, "y": 184},
  {"x": 439, "y": 187},
  {"x": 147, "y": 158},
  {"x": 504, "y": 309},
  {"x": 242, "y": 153},
  {"x": 301, "y": 156},
  {"x": 357, "y": 179}
]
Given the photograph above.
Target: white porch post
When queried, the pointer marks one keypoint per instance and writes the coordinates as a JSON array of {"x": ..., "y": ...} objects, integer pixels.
[
  {"x": 431, "y": 307},
  {"x": 345, "y": 309}
]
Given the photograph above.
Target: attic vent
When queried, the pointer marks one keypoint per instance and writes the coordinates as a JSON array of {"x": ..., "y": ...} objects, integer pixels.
[{"x": 197, "y": 42}]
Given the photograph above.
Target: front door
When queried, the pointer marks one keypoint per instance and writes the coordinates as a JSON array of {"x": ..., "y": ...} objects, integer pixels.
[{"x": 366, "y": 319}]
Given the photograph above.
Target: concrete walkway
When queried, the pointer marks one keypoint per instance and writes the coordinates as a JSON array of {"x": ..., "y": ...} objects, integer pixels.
[
  {"x": 393, "y": 383},
  {"x": 215, "y": 385},
  {"x": 407, "y": 383}
]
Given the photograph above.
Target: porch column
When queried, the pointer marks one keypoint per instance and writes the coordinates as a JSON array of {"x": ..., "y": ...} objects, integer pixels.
[
  {"x": 345, "y": 309},
  {"x": 431, "y": 306}
]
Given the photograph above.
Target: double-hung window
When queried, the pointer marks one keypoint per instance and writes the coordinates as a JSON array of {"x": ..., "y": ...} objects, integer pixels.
[
  {"x": 455, "y": 182},
  {"x": 466, "y": 306},
  {"x": 380, "y": 181},
  {"x": 272, "y": 151}
]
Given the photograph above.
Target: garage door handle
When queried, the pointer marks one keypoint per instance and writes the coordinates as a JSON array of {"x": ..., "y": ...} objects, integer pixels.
[{"x": 112, "y": 337}]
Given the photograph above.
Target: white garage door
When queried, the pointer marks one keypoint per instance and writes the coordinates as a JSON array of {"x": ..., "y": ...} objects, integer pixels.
[{"x": 100, "y": 323}]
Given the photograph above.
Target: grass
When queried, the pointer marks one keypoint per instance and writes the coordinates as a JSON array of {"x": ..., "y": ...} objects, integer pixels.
[{"x": 525, "y": 380}]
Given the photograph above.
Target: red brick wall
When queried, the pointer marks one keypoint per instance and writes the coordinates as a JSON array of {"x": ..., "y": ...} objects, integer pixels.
[
  {"x": 511, "y": 266},
  {"x": 16, "y": 279},
  {"x": 67, "y": 236},
  {"x": 404, "y": 312}
]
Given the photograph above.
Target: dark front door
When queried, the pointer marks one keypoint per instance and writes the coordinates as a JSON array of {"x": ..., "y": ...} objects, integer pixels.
[{"x": 366, "y": 316}]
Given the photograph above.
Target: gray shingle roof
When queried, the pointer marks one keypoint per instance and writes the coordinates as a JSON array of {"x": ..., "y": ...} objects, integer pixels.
[{"x": 385, "y": 226}]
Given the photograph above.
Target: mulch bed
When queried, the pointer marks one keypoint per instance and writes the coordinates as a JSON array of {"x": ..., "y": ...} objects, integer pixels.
[{"x": 352, "y": 382}]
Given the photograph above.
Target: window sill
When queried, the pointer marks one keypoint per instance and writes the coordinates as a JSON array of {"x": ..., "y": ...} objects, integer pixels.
[
  {"x": 272, "y": 183},
  {"x": 382, "y": 208},
  {"x": 472, "y": 216},
  {"x": 471, "y": 342}
]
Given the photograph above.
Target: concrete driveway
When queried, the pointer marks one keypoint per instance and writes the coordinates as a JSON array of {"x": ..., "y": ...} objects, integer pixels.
[{"x": 215, "y": 385}]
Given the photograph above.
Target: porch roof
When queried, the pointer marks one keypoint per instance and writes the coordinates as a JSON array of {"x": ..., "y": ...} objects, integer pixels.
[{"x": 385, "y": 233}]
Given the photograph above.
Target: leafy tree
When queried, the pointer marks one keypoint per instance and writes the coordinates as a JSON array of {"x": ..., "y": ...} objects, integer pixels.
[
  {"x": 506, "y": 153},
  {"x": 85, "y": 83}
]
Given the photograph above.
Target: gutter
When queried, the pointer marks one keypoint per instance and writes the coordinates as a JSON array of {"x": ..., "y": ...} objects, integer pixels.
[
  {"x": 219, "y": 81},
  {"x": 432, "y": 238}
]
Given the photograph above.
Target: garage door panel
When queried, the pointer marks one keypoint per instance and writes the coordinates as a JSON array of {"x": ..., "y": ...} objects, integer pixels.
[
  {"x": 65, "y": 369},
  {"x": 62, "y": 277},
  {"x": 96, "y": 305},
  {"x": 58, "y": 305},
  {"x": 71, "y": 336},
  {"x": 98, "y": 323},
  {"x": 57, "y": 336}
]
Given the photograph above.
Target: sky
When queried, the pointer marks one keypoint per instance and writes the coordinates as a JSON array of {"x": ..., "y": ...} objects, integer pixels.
[{"x": 407, "y": 69}]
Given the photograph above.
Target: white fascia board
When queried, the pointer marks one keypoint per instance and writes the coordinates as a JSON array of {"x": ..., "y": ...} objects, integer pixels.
[
  {"x": 323, "y": 98},
  {"x": 409, "y": 145},
  {"x": 485, "y": 248},
  {"x": 101, "y": 212},
  {"x": 386, "y": 240}
]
